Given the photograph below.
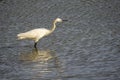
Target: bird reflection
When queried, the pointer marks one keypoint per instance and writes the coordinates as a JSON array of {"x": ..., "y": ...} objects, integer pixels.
[
  {"x": 40, "y": 64},
  {"x": 36, "y": 55}
]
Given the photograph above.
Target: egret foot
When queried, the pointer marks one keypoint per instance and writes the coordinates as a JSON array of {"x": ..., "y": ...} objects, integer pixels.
[{"x": 35, "y": 45}]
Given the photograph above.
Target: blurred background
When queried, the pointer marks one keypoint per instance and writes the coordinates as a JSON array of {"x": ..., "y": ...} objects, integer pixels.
[{"x": 86, "y": 47}]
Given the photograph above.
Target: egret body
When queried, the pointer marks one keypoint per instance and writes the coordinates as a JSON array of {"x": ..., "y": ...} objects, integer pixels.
[{"x": 37, "y": 34}]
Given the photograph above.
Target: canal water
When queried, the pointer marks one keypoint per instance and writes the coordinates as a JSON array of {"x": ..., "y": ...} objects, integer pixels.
[{"x": 86, "y": 47}]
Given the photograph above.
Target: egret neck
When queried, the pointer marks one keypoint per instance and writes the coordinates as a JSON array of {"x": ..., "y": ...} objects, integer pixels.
[{"x": 53, "y": 27}]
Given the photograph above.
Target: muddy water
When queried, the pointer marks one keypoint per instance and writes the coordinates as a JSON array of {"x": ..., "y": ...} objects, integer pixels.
[{"x": 86, "y": 47}]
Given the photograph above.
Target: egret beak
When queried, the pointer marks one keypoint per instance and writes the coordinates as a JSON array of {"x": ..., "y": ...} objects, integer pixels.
[{"x": 64, "y": 20}]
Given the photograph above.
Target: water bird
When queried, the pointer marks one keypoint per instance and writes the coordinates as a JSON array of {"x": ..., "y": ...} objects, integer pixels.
[{"x": 37, "y": 34}]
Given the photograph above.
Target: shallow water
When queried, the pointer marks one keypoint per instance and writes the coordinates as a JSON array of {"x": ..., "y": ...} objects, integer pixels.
[{"x": 86, "y": 47}]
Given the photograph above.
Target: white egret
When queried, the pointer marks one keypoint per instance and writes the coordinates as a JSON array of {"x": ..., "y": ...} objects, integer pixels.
[{"x": 38, "y": 33}]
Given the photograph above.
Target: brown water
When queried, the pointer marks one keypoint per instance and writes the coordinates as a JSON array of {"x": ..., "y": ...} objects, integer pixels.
[{"x": 87, "y": 47}]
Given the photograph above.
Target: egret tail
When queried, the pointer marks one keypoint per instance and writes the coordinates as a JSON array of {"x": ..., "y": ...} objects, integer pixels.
[{"x": 21, "y": 36}]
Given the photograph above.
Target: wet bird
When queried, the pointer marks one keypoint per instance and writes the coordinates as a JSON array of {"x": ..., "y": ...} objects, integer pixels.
[{"x": 37, "y": 34}]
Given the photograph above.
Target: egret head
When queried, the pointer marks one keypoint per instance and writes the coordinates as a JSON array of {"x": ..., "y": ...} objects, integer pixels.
[{"x": 59, "y": 20}]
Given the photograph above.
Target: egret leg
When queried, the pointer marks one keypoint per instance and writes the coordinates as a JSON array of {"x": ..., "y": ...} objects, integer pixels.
[{"x": 35, "y": 45}]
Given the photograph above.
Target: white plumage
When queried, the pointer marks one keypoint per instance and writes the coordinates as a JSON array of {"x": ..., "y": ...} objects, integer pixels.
[
  {"x": 34, "y": 34},
  {"x": 39, "y": 33}
]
